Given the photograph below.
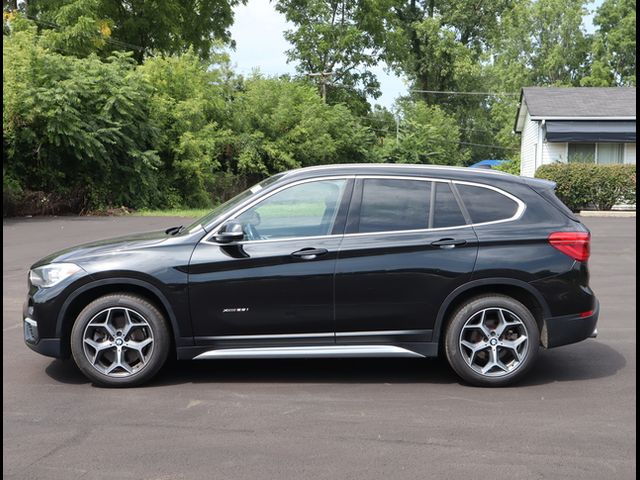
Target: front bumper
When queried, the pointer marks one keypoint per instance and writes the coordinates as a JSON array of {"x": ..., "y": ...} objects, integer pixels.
[
  {"x": 558, "y": 331},
  {"x": 50, "y": 347}
]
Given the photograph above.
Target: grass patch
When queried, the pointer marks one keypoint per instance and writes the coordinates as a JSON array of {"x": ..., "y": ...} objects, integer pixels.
[
  {"x": 175, "y": 212},
  {"x": 269, "y": 211}
]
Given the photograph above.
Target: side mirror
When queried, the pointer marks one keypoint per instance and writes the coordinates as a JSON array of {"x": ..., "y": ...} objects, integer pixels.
[{"x": 232, "y": 231}]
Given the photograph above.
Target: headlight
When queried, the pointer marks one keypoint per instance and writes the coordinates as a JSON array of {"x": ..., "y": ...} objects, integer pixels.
[{"x": 52, "y": 274}]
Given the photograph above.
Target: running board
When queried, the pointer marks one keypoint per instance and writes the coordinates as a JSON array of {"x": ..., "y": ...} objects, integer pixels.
[{"x": 337, "y": 351}]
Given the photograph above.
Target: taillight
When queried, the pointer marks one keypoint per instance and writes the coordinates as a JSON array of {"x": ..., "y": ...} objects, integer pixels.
[{"x": 575, "y": 244}]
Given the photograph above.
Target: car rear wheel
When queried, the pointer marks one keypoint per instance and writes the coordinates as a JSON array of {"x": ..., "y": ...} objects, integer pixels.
[
  {"x": 120, "y": 340},
  {"x": 492, "y": 340}
]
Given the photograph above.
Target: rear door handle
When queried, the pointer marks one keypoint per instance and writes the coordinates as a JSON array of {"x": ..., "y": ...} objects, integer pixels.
[
  {"x": 309, "y": 253},
  {"x": 448, "y": 243}
]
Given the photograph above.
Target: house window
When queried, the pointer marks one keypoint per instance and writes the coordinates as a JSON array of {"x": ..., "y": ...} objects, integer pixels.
[
  {"x": 601, "y": 153},
  {"x": 582, "y": 152},
  {"x": 610, "y": 153}
]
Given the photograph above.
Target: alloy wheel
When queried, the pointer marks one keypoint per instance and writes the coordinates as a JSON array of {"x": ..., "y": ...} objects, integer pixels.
[
  {"x": 118, "y": 342},
  {"x": 494, "y": 342}
]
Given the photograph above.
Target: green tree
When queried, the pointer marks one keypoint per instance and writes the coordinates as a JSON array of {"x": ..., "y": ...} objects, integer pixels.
[
  {"x": 280, "y": 124},
  {"x": 426, "y": 134},
  {"x": 614, "y": 45},
  {"x": 332, "y": 44},
  {"x": 143, "y": 26},
  {"x": 438, "y": 44},
  {"x": 541, "y": 42},
  {"x": 189, "y": 106},
  {"x": 78, "y": 127}
]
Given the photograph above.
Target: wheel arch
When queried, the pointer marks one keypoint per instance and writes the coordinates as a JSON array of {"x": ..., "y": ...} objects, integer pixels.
[
  {"x": 517, "y": 289},
  {"x": 84, "y": 295}
]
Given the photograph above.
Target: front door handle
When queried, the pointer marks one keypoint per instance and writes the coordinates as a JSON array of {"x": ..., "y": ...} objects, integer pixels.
[
  {"x": 309, "y": 253},
  {"x": 448, "y": 243}
]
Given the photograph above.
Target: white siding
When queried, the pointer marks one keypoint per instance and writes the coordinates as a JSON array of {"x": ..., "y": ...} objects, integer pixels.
[
  {"x": 630, "y": 153},
  {"x": 553, "y": 152},
  {"x": 528, "y": 151}
]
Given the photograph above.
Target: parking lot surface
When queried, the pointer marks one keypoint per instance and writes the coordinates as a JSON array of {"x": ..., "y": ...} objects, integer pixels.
[{"x": 574, "y": 416}]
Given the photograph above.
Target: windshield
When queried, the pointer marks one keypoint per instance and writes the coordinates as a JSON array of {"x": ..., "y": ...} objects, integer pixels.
[{"x": 230, "y": 204}]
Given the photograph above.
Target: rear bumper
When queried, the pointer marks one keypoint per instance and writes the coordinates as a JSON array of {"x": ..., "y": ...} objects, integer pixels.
[{"x": 558, "y": 331}]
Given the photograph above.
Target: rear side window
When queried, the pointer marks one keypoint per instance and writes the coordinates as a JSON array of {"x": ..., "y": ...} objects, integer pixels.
[
  {"x": 486, "y": 205},
  {"x": 391, "y": 205},
  {"x": 447, "y": 212}
]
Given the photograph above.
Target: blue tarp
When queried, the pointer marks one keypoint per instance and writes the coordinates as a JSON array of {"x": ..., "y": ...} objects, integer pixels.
[{"x": 487, "y": 163}]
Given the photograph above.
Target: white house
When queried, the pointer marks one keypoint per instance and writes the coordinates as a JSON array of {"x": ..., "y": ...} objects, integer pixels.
[{"x": 576, "y": 124}]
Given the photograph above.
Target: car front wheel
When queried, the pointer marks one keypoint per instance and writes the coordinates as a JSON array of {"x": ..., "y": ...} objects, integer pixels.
[
  {"x": 120, "y": 340},
  {"x": 492, "y": 340}
]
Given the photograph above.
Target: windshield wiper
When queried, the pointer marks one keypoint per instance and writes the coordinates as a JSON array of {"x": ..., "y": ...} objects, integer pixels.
[{"x": 174, "y": 230}]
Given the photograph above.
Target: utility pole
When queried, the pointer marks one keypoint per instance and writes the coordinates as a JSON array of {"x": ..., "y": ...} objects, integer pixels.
[{"x": 323, "y": 76}]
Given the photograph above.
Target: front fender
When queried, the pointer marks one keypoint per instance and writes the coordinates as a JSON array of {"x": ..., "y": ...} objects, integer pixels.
[{"x": 181, "y": 326}]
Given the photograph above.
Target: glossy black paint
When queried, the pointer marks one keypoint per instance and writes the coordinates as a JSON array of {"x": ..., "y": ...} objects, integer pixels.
[
  {"x": 272, "y": 291},
  {"x": 398, "y": 281},
  {"x": 353, "y": 288}
]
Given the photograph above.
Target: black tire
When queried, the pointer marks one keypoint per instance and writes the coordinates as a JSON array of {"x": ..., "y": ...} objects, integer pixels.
[
  {"x": 141, "y": 310},
  {"x": 460, "y": 356}
]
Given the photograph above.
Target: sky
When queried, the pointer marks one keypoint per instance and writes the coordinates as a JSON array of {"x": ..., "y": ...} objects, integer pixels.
[{"x": 258, "y": 33}]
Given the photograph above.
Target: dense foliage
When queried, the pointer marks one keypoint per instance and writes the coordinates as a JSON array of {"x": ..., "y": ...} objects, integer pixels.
[
  {"x": 145, "y": 27},
  {"x": 77, "y": 127},
  {"x": 110, "y": 103},
  {"x": 581, "y": 185}
]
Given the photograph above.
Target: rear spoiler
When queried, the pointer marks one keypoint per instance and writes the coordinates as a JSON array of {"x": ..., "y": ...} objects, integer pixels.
[
  {"x": 539, "y": 183},
  {"x": 547, "y": 190}
]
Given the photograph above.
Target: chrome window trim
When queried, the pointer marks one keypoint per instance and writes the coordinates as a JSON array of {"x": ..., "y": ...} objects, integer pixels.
[
  {"x": 241, "y": 209},
  {"x": 519, "y": 211}
]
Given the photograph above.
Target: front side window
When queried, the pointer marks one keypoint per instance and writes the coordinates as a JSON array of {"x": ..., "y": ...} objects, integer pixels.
[
  {"x": 220, "y": 210},
  {"x": 393, "y": 205},
  {"x": 303, "y": 210},
  {"x": 486, "y": 205}
]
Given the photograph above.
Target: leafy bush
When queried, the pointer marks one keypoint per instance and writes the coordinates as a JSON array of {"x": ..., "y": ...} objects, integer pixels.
[
  {"x": 279, "y": 124},
  {"x": 12, "y": 195},
  {"x": 77, "y": 126},
  {"x": 427, "y": 134},
  {"x": 510, "y": 166},
  {"x": 583, "y": 185}
]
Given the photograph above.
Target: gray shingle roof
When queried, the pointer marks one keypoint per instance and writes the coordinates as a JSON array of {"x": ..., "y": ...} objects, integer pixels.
[{"x": 580, "y": 102}]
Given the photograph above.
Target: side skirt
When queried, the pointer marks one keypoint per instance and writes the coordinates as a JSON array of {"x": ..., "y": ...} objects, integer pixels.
[{"x": 414, "y": 350}]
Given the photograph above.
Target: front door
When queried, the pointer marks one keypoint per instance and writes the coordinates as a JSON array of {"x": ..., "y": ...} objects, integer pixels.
[
  {"x": 277, "y": 283},
  {"x": 406, "y": 247}
]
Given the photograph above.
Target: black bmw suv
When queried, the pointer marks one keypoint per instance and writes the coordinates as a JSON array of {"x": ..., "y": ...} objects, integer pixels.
[{"x": 333, "y": 261}]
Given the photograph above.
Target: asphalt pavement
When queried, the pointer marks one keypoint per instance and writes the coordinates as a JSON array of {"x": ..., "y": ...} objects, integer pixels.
[{"x": 574, "y": 417}]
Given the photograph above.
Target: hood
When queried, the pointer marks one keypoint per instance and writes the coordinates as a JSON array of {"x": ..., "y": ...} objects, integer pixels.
[{"x": 107, "y": 247}]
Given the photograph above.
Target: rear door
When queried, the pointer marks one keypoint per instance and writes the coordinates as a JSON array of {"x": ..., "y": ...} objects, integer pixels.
[{"x": 407, "y": 245}]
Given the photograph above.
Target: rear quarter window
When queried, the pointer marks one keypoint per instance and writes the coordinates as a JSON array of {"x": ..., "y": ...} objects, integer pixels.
[{"x": 486, "y": 205}]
